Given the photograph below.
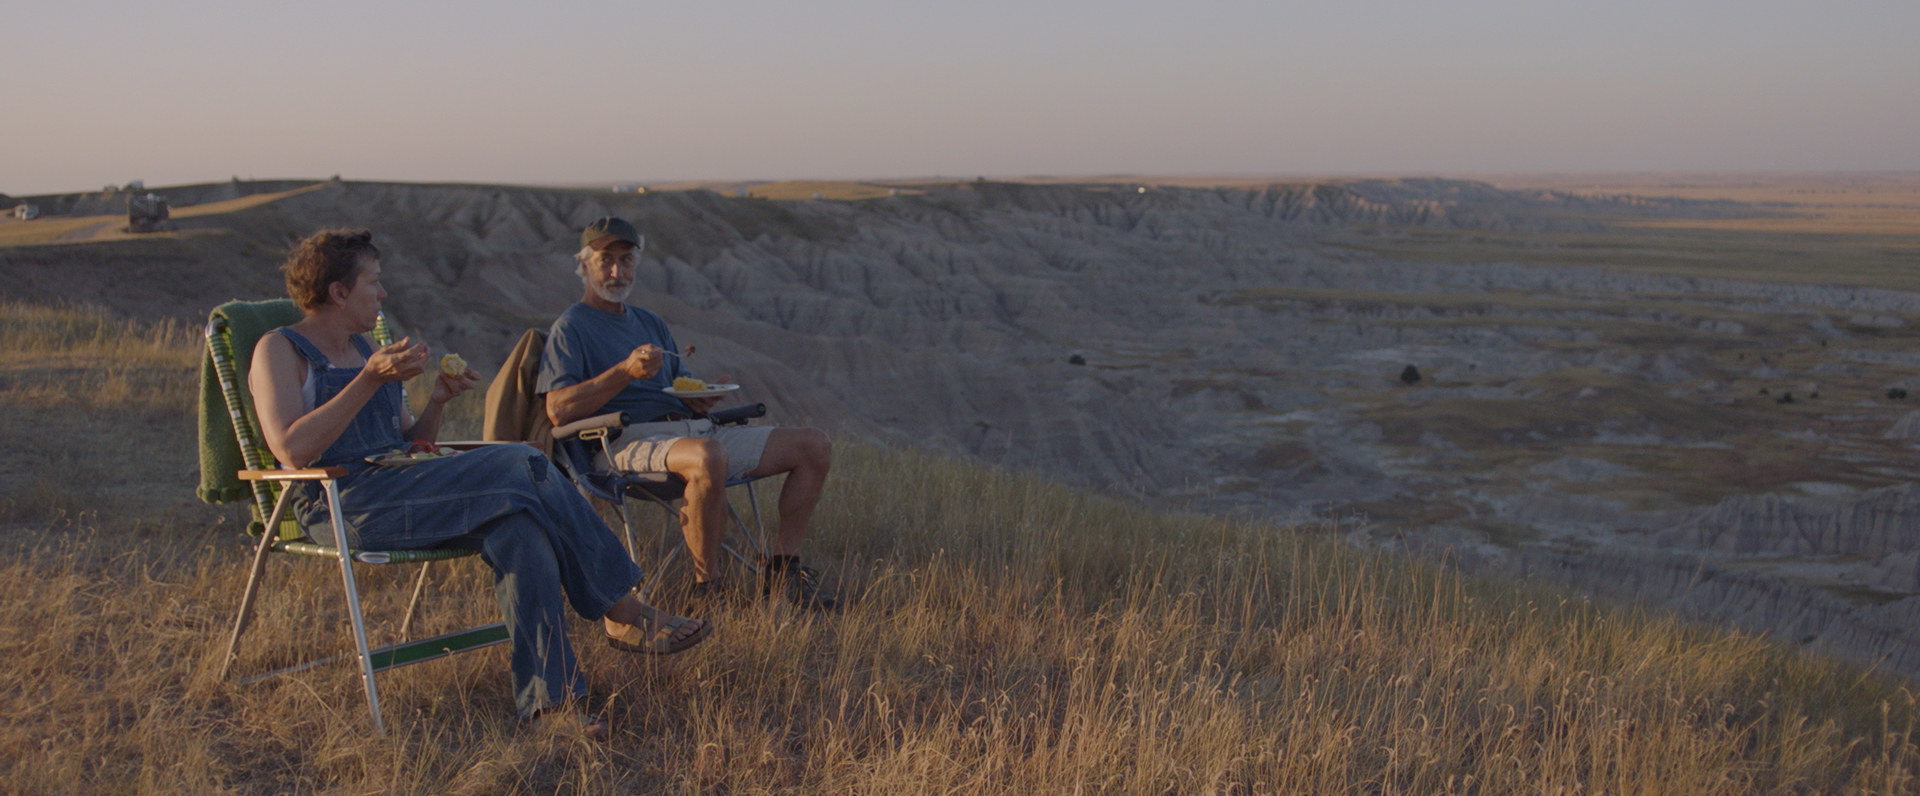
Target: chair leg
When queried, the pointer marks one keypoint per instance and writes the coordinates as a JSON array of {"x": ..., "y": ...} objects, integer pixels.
[
  {"x": 626, "y": 524},
  {"x": 353, "y": 603},
  {"x": 659, "y": 573},
  {"x": 756, "y": 538},
  {"x": 659, "y": 570},
  {"x": 419, "y": 586},
  {"x": 240, "y": 618}
]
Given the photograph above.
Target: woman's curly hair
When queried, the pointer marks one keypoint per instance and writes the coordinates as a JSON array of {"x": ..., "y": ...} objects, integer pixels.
[{"x": 323, "y": 258}]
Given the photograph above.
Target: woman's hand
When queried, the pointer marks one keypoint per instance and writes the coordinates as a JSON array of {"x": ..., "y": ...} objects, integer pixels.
[
  {"x": 446, "y": 388},
  {"x": 399, "y": 361}
]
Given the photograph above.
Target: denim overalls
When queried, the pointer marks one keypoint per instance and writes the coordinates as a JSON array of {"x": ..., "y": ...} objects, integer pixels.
[{"x": 539, "y": 535}]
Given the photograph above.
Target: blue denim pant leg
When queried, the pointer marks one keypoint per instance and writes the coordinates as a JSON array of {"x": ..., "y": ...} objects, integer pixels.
[
  {"x": 424, "y": 505},
  {"x": 542, "y": 539},
  {"x": 595, "y": 567},
  {"x": 557, "y": 547},
  {"x": 526, "y": 579}
]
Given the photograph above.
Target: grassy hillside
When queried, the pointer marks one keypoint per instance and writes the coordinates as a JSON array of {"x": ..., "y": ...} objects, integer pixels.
[{"x": 1007, "y": 635}]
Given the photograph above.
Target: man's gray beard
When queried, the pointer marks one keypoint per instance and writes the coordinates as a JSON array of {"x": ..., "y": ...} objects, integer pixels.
[{"x": 613, "y": 295}]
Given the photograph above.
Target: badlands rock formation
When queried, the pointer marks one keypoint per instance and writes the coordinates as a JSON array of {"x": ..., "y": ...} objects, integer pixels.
[{"x": 1623, "y": 429}]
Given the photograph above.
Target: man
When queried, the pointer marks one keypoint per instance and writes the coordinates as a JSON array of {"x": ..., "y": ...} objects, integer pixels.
[{"x": 604, "y": 355}]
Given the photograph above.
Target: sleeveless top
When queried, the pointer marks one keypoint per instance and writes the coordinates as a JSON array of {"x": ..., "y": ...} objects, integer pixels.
[{"x": 375, "y": 428}]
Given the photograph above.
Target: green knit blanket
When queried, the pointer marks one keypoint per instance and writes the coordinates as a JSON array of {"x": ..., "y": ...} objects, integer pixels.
[{"x": 220, "y": 458}]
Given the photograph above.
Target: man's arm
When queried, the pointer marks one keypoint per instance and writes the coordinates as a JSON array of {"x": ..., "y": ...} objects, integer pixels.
[{"x": 582, "y": 400}]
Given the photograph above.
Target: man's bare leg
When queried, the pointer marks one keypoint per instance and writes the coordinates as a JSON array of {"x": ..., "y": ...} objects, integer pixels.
[
  {"x": 805, "y": 455},
  {"x": 703, "y": 463}
]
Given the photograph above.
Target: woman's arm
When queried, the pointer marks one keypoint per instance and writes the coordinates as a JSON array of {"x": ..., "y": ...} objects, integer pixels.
[
  {"x": 445, "y": 387},
  {"x": 296, "y": 436}
]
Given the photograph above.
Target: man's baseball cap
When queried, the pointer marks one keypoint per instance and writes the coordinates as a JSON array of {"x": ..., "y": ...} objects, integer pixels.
[{"x": 604, "y": 231}]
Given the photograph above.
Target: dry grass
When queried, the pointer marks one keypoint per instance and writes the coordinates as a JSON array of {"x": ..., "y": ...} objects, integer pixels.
[
  {"x": 1886, "y": 261},
  {"x": 112, "y": 227},
  {"x": 826, "y": 189},
  {"x": 1846, "y": 204},
  {"x": 796, "y": 190},
  {"x": 28, "y": 330},
  {"x": 242, "y": 203},
  {"x": 1487, "y": 308},
  {"x": 1826, "y": 229},
  {"x": 76, "y": 384},
  {"x": 60, "y": 229},
  {"x": 1007, "y": 635}
]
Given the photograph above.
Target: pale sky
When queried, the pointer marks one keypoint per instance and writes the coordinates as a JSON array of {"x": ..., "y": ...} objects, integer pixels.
[{"x": 485, "y": 91}]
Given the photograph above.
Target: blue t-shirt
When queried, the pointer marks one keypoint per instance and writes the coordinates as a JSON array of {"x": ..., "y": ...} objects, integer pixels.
[{"x": 585, "y": 342}]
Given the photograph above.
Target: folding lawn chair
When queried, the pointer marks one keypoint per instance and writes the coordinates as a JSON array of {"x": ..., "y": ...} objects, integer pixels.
[
  {"x": 232, "y": 331},
  {"x": 515, "y": 412},
  {"x": 574, "y": 446}
]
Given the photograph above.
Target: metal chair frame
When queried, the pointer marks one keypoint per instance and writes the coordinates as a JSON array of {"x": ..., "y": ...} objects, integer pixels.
[
  {"x": 573, "y": 445},
  {"x": 279, "y": 533}
]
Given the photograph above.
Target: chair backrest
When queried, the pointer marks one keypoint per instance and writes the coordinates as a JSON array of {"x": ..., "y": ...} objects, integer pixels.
[
  {"x": 233, "y": 330},
  {"x": 515, "y": 410}
]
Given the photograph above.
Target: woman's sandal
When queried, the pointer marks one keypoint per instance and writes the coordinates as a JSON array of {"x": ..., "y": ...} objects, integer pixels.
[{"x": 661, "y": 640}]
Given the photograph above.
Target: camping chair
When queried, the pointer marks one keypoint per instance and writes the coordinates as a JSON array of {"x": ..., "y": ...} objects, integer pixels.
[
  {"x": 516, "y": 411},
  {"x": 232, "y": 331},
  {"x": 574, "y": 446}
]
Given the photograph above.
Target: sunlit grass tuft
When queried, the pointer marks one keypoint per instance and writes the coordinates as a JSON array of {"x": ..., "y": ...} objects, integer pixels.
[
  {"x": 32, "y": 330},
  {"x": 93, "y": 401}
]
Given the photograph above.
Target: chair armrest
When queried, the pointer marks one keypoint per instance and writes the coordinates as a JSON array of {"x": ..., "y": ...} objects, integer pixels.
[
  {"x": 738, "y": 415},
  {"x": 608, "y": 420},
  {"x": 309, "y": 474},
  {"x": 470, "y": 444}
]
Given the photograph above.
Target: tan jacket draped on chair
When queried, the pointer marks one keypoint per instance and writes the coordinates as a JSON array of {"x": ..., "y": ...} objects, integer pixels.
[{"x": 514, "y": 411}]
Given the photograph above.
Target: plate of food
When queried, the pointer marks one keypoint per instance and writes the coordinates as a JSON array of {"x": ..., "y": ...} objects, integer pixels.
[
  {"x": 685, "y": 387},
  {"x": 403, "y": 458}
]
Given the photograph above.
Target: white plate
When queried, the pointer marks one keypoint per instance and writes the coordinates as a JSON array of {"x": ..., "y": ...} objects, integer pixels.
[
  {"x": 397, "y": 459},
  {"x": 711, "y": 391}
]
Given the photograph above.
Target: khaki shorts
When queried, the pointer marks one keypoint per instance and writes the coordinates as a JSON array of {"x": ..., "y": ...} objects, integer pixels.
[{"x": 642, "y": 447}]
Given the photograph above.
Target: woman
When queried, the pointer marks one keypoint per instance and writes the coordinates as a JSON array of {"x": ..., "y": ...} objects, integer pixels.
[{"x": 326, "y": 398}]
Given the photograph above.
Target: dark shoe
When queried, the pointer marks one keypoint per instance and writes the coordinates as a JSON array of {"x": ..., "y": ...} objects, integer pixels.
[{"x": 799, "y": 585}]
